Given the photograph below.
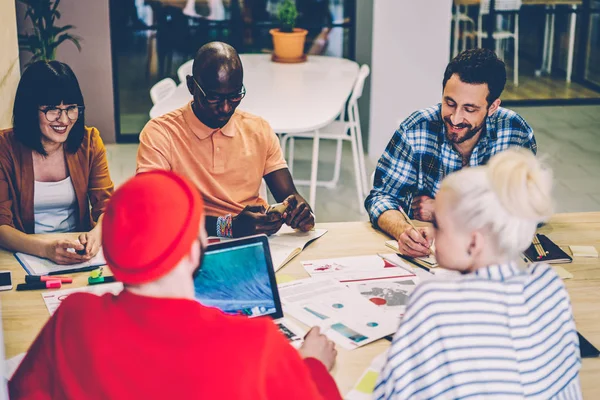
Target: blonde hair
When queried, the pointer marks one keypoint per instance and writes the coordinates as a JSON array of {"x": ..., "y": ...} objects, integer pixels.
[{"x": 508, "y": 197}]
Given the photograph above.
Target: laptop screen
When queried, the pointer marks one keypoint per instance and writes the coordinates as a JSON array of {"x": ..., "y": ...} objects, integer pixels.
[{"x": 237, "y": 277}]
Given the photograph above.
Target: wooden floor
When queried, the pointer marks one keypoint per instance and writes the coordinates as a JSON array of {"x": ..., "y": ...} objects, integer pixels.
[{"x": 545, "y": 88}]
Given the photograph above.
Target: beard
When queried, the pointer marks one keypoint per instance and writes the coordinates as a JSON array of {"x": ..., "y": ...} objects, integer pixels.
[{"x": 471, "y": 132}]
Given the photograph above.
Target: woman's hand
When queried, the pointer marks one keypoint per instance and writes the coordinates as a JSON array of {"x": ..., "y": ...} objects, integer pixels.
[
  {"x": 91, "y": 242},
  {"x": 64, "y": 252}
]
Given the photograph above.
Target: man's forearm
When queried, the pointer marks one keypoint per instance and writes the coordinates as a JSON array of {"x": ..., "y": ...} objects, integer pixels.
[{"x": 393, "y": 223}]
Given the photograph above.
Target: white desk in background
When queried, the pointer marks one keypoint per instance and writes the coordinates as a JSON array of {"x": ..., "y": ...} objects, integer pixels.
[{"x": 292, "y": 98}]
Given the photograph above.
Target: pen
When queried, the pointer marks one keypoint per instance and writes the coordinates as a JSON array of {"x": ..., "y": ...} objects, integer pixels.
[
  {"x": 411, "y": 224},
  {"x": 101, "y": 279},
  {"x": 39, "y": 285},
  {"x": 71, "y": 271},
  {"x": 45, "y": 278}
]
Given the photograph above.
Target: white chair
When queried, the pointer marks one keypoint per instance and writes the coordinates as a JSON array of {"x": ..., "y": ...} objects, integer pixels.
[
  {"x": 184, "y": 70},
  {"x": 162, "y": 90},
  {"x": 340, "y": 130},
  {"x": 500, "y": 33},
  {"x": 461, "y": 18}
]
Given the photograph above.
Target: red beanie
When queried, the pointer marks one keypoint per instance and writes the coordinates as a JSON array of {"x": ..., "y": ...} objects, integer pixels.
[{"x": 149, "y": 225}]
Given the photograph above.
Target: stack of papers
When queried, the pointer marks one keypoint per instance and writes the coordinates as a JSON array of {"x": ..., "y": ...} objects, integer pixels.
[
  {"x": 343, "y": 314},
  {"x": 385, "y": 280}
]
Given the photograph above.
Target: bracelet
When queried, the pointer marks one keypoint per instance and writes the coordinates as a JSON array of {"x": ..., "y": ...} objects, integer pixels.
[{"x": 224, "y": 226}]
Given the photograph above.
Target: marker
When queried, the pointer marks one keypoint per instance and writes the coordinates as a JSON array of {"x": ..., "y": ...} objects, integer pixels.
[
  {"x": 39, "y": 285},
  {"x": 102, "y": 279},
  {"x": 46, "y": 278}
]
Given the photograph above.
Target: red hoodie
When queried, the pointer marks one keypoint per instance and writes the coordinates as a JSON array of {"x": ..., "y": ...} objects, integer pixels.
[{"x": 135, "y": 347}]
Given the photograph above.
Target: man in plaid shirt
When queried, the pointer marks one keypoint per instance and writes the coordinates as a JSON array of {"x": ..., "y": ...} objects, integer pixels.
[{"x": 466, "y": 129}]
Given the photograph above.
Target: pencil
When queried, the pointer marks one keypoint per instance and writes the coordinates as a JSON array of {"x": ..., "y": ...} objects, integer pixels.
[
  {"x": 538, "y": 247},
  {"x": 407, "y": 218}
]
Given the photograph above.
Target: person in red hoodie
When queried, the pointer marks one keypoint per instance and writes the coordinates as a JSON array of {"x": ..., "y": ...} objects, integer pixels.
[{"x": 154, "y": 340}]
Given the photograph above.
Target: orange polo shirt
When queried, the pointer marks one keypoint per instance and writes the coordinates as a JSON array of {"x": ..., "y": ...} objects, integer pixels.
[{"x": 227, "y": 165}]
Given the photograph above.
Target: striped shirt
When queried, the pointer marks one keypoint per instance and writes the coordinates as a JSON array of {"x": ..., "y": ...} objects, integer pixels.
[
  {"x": 419, "y": 156},
  {"x": 500, "y": 332}
]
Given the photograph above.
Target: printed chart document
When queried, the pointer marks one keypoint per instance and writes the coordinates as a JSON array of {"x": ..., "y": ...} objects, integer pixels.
[
  {"x": 390, "y": 295},
  {"x": 360, "y": 268},
  {"x": 55, "y": 297},
  {"x": 343, "y": 314},
  {"x": 363, "y": 390},
  {"x": 42, "y": 266}
]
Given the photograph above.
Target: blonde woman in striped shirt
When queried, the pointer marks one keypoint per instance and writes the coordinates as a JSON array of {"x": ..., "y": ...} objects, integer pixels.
[{"x": 495, "y": 330}]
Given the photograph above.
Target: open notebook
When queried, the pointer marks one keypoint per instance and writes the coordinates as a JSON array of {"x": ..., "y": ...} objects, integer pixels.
[
  {"x": 42, "y": 266},
  {"x": 425, "y": 262},
  {"x": 288, "y": 243},
  {"x": 285, "y": 244}
]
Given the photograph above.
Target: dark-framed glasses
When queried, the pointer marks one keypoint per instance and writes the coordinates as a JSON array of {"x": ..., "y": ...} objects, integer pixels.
[
  {"x": 215, "y": 99},
  {"x": 53, "y": 114}
]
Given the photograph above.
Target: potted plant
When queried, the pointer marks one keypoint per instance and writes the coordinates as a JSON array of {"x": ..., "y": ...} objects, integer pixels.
[
  {"x": 288, "y": 41},
  {"x": 46, "y": 37}
]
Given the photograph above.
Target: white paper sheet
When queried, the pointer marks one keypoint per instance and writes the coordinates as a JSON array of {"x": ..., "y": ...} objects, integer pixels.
[
  {"x": 343, "y": 314},
  {"x": 55, "y": 297},
  {"x": 42, "y": 266},
  {"x": 354, "y": 269},
  {"x": 11, "y": 365},
  {"x": 390, "y": 295}
]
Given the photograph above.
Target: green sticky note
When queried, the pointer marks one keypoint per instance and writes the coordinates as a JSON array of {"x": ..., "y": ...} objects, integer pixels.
[{"x": 367, "y": 383}]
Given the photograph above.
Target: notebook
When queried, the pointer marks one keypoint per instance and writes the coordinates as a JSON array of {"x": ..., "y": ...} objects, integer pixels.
[
  {"x": 425, "y": 262},
  {"x": 288, "y": 243},
  {"x": 554, "y": 254},
  {"x": 42, "y": 266}
]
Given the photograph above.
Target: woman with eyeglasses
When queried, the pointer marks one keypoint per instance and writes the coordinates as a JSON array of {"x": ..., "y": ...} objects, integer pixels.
[{"x": 53, "y": 171}]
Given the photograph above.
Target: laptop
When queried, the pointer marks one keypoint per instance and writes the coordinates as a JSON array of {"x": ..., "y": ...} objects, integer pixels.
[{"x": 237, "y": 277}]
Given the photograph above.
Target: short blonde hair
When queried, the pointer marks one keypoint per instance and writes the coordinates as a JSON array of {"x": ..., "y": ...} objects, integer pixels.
[{"x": 508, "y": 197}]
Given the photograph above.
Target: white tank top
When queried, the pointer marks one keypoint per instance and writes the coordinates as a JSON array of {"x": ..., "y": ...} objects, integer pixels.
[{"x": 55, "y": 206}]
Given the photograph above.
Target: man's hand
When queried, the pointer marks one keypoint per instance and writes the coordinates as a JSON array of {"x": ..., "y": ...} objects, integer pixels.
[
  {"x": 415, "y": 242},
  {"x": 299, "y": 214},
  {"x": 91, "y": 243},
  {"x": 316, "y": 345},
  {"x": 253, "y": 220},
  {"x": 423, "y": 208},
  {"x": 57, "y": 251}
]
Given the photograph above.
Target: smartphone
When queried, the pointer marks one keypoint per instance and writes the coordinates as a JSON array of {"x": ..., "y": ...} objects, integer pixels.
[
  {"x": 5, "y": 280},
  {"x": 279, "y": 207}
]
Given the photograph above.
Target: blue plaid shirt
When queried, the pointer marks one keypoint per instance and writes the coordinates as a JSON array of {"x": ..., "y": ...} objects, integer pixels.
[{"x": 419, "y": 156}]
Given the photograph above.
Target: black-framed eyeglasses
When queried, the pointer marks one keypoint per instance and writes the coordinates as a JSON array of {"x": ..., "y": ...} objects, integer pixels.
[
  {"x": 53, "y": 114},
  {"x": 216, "y": 99}
]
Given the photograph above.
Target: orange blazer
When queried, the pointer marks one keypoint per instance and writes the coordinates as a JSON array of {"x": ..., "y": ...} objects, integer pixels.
[{"x": 88, "y": 169}]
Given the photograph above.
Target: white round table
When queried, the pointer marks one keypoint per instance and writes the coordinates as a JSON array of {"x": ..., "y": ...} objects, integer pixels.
[{"x": 292, "y": 98}]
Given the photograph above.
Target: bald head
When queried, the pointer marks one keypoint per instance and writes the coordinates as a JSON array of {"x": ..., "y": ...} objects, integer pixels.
[{"x": 217, "y": 65}]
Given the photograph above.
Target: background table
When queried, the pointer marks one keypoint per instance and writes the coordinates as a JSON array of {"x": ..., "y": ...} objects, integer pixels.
[
  {"x": 291, "y": 97},
  {"x": 24, "y": 313}
]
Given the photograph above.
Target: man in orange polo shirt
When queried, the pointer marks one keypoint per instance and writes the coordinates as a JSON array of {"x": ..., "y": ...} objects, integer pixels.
[
  {"x": 225, "y": 152},
  {"x": 154, "y": 340}
]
